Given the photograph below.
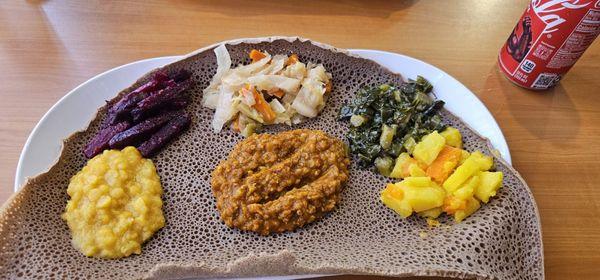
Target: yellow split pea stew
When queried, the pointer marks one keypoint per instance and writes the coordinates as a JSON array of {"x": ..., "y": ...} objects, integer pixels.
[{"x": 115, "y": 204}]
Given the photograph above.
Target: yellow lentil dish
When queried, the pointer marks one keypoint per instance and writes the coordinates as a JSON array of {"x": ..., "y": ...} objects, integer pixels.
[
  {"x": 275, "y": 183},
  {"x": 115, "y": 204}
]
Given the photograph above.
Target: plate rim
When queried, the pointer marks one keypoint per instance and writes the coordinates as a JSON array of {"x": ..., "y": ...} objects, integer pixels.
[{"x": 173, "y": 58}]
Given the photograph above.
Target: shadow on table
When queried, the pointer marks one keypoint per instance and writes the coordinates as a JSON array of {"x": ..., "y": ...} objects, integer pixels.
[
  {"x": 366, "y": 8},
  {"x": 545, "y": 114}
]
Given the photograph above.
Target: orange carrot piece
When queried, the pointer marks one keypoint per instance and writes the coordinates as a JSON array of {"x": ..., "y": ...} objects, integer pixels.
[
  {"x": 453, "y": 204},
  {"x": 444, "y": 164},
  {"x": 279, "y": 93},
  {"x": 263, "y": 107},
  {"x": 256, "y": 55},
  {"x": 291, "y": 60}
]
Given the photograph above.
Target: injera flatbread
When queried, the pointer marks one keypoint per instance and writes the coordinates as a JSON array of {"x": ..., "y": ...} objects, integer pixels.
[{"x": 500, "y": 241}]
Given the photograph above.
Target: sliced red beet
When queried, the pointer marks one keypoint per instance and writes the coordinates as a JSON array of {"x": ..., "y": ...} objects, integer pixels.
[
  {"x": 165, "y": 94},
  {"x": 180, "y": 102},
  {"x": 141, "y": 131},
  {"x": 137, "y": 115},
  {"x": 158, "y": 100},
  {"x": 123, "y": 107},
  {"x": 158, "y": 81},
  {"x": 100, "y": 142},
  {"x": 162, "y": 137}
]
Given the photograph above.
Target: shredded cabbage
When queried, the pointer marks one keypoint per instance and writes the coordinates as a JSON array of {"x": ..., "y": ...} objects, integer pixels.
[
  {"x": 268, "y": 82},
  {"x": 210, "y": 94},
  {"x": 276, "y": 106},
  {"x": 225, "y": 109},
  {"x": 296, "y": 70},
  {"x": 276, "y": 65},
  {"x": 293, "y": 90},
  {"x": 210, "y": 98}
]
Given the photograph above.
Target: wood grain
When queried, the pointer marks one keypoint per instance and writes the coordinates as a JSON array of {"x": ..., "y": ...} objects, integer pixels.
[{"x": 49, "y": 47}]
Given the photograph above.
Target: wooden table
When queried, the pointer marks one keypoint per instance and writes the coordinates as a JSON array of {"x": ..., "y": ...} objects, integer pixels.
[{"x": 49, "y": 47}]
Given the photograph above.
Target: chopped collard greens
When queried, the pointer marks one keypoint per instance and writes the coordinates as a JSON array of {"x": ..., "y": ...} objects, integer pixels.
[{"x": 388, "y": 120}]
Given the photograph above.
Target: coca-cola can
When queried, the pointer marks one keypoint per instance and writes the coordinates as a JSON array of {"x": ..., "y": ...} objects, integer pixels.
[{"x": 548, "y": 39}]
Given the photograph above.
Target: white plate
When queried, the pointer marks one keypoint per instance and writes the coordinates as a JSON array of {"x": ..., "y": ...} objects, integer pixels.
[{"x": 74, "y": 111}]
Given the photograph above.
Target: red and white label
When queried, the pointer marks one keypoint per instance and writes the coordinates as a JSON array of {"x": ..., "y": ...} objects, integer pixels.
[{"x": 549, "y": 38}]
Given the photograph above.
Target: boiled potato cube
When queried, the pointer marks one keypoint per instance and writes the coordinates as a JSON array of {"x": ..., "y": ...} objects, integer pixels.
[
  {"x": 467, "y": 190},
  {"x": 484, "y": 161},
  {"x": 402, "y": 166},
  {"x": 472, "y": 206},
  {"x": 475, "y": 163},
  {"x": 416, "y": 182},
  {"x": 413, "y": 194},
  {"x": 393, "y": 197},
  {"x": 463, "y": 156},
  {"x": 415, "y": 171},
  {"x": 428, "y": 149},
  {"x": 462, "y": 174},
  {"x": 453, "y": 137},
  {"x": 431, "y": 213},
  {"x": 489, "y": 185},
  {"x": 444, "y": 164},
  {"x": 424, "y": 198}
]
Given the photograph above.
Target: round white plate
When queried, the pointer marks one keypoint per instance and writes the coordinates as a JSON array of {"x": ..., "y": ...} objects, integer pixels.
[{"x": 74, "y": 111}]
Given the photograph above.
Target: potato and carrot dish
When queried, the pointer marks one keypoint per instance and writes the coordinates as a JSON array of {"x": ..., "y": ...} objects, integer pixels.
[{"x": 440, "y": 177}]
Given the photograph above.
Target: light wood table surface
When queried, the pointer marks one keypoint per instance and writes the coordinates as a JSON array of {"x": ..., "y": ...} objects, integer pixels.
[{"x": 49, "y": 47}]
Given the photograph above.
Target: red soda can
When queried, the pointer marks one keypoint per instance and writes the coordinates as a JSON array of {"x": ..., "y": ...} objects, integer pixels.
[{"x": 548, "y": 39}]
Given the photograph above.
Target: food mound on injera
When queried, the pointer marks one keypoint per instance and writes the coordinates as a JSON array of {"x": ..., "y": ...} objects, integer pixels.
[
  {"x": 361, "y": 236},
  {"x": 275, "y": 183}
]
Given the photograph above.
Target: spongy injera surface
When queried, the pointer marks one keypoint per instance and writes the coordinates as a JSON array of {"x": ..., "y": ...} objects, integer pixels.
[{"x": 502, "y": 240}]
